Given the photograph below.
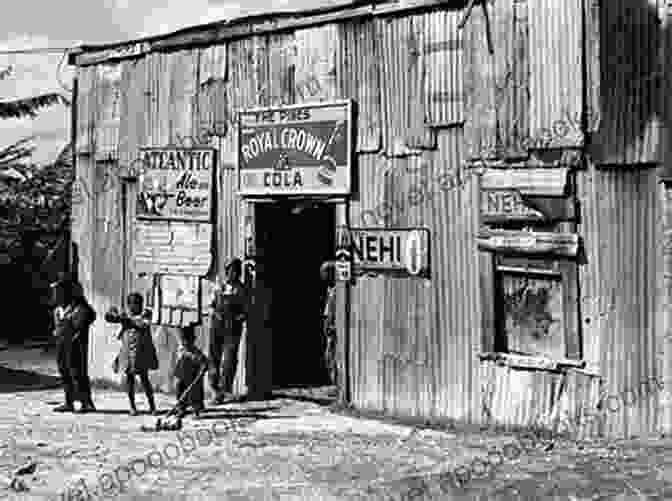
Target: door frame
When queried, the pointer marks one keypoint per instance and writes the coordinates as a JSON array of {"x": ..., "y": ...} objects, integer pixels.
[{"x": 343, "y": 292}]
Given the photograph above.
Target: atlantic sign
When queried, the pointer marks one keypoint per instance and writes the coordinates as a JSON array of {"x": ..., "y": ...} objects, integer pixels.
[
  {"x": 296, "y": 150},
  {"x": 176, "y": 184},
  {"x": 402, "y": 252}
]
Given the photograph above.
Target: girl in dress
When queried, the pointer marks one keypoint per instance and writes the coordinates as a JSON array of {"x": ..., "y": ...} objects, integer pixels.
[{"x": 137, "y": 355}]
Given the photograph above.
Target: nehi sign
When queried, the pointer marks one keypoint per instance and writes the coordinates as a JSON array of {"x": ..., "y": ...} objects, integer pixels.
[
  {"x": 176, "y": 184},
  {"x": 400, "y": 251},
  {"x": 296, "y": 150}
]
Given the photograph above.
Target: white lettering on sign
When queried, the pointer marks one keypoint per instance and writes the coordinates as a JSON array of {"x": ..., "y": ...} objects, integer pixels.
[
  {"x": 171, "y": 159},
  {"x": 283, "y": 179},
  {"x": 500, "y": 202},
  {"x": 400, "y": 250},
  {"x": 379, "y": 249},
  {"x": 288, "y": 138}
]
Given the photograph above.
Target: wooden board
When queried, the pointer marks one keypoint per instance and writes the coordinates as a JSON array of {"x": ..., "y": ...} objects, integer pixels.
[
  {"x": 534, "y": 182},
  {"x": 525, "y": 242}
]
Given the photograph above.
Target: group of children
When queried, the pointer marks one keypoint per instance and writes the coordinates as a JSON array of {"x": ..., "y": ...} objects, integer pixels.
[{"x": 137, "y": 356}]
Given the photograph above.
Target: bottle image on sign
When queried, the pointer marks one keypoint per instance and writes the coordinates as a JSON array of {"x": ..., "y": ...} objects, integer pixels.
[{"x": 327, "y": 172}]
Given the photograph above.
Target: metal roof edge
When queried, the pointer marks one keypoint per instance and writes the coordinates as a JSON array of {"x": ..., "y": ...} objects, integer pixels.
[{"x": 249, "y": 25}]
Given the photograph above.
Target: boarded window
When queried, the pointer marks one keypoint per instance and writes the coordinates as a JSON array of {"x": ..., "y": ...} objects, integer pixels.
[{"x": 537, "y": 308}]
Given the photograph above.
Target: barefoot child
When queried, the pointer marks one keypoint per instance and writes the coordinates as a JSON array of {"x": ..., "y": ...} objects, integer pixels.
[
  {"x": 137, "y": 355},
  {"x": 191, "y": 363}
]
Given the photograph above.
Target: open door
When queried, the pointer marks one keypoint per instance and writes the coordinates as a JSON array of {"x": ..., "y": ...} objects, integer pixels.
[{"x": 293, "y": 240}]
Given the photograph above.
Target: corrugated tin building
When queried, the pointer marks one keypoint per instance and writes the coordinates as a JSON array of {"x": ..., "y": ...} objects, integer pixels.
[{"x": 527, "y": 137}]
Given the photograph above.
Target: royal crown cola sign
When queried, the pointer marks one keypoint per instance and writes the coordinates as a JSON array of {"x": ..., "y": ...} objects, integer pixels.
[{"x": 296, "y": 150}]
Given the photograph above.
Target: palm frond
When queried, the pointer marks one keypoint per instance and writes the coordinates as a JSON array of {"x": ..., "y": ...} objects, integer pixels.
[
  {"x": 28, "y": 107},
  {"x": 6, "y": 72},
  {"x": 18, "y": 151}
]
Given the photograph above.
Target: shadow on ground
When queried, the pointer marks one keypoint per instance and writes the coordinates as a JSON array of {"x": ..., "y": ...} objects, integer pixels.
[{"x": 14, "y": 380}]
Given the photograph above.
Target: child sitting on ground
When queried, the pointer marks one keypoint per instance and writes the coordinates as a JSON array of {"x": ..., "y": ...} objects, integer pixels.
[
  {"x": 137, "y": 355},
  {"x": 189, "y": 369}
]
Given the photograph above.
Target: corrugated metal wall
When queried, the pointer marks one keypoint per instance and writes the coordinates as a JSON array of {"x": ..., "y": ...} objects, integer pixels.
[
  {"x": 621, "y": 281},
  {"x": 414, "y": 341},
  {"x": 631, "y": 72},
  {"x": 556, "y": 72}
]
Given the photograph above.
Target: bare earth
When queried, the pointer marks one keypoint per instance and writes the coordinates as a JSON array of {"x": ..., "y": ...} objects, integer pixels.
[{"x": 287, "y": 449}]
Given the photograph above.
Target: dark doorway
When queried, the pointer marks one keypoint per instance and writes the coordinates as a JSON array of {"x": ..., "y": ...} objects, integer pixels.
[{"x": 294, "y": 239}]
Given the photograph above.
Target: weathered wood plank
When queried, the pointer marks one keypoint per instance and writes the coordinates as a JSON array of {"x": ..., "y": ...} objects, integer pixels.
[
  {"x": 526, "y": 242},
  {"x": 534, "y": 182}
]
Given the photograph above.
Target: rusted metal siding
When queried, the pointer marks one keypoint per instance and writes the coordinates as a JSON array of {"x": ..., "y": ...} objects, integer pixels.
[
  {"x": 414, "y": 341},
  {"x": 315, "y": 72},
  {"x": 620, "y": 284},
  {"x": 403, "y": 89},
  {"x": 480, "y": 127},
  {"x": 132, "y": 136},
  {"x": 358, "y": 69},
  {"x": 282, "y": 69},
  {"x": 443, "y": 62},
  {"x": 109, "y": 111},
  {"x": 183, "y": 68},
  {"x": 556, "y": 69},
  {"x": 558, "y": 401},
  {"x": 664, "y": 309},
  {"x": 83, "y": 215},
  {"x": 631, "y": 94},
  {"x": 367, "y": 298},
  {"x": 107, "y": 277},
  {"x": 86, "y": 109},
  {"x": 247, "y": 87}
]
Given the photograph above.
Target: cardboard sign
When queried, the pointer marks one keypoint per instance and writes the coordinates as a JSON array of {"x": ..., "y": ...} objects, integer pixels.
[
  {"x": 296, "y": 150},
  {"x": 176, "y": 184},
  {"x": 400, "y": 251},
  {"x": 177, "y": 300}
]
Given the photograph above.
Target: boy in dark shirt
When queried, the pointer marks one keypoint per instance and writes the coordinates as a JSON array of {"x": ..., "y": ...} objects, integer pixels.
[{"x": 191, "y": 362}]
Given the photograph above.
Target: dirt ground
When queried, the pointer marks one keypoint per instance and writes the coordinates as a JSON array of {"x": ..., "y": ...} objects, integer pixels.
[{"x": 288, "y": 448}]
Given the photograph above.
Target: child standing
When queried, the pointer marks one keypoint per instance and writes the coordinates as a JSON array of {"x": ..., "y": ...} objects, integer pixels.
[
  {"x": 191, "y": 365},
  {"x": 137, "y": 355}
]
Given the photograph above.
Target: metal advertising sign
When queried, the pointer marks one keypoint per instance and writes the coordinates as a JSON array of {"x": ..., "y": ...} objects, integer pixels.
[
  {"x": 176, "y": 184},
  {"x": 296, "y": 150},
  {"x": 402, "y": 252}
]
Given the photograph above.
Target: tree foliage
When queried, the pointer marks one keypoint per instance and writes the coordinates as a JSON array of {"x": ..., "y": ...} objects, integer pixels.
[
  {"x": 27, "y": 107},
  {"x": 40, "y": 202}
]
